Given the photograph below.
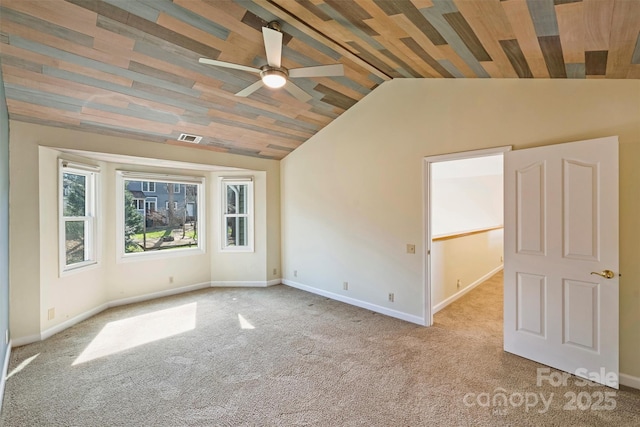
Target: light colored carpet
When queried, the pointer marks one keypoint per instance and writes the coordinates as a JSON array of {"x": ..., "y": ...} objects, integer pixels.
[{"x": 282, "y": 357}]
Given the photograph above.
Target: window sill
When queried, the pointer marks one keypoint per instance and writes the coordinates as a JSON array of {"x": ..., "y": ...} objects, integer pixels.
[
  {"x": 162, "y": 254},
  {"x": 78, "y": 268},
  {"x": 237, "y": 250}
]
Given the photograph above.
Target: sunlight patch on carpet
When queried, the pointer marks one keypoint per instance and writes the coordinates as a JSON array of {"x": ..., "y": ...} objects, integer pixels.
[
  {"x": 135, "y": 331},
  {"x": 22, "y": 365},
  {"x": 244, "y": 323}
]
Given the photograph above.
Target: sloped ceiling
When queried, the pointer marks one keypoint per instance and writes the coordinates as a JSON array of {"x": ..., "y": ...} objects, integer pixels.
[{"x": 130, "y": 67}]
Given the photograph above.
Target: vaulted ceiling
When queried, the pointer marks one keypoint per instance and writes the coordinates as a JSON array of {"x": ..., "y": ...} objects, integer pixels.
[{"x": 130, "y": 67}]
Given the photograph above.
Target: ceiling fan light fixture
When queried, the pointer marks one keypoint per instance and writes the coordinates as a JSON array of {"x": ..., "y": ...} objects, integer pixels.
[{"x": 273, "y": 78}]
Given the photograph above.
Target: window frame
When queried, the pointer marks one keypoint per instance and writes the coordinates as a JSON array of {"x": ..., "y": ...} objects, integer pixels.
[
  {"x": 224, "y": 183},
  {"x": 91, "y": 256},
  {"x": 153, "y": 200},
  {"x": 138, "y": 203},
  {"x": 148, "y": 184},
  {"x": 124, "y": 175}
]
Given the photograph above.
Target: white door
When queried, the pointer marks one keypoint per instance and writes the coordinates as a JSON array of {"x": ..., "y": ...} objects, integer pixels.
[{"x": 561, "y": 228}]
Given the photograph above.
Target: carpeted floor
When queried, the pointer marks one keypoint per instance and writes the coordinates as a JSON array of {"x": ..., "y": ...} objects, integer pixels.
[{"x": 282, "y": 357}]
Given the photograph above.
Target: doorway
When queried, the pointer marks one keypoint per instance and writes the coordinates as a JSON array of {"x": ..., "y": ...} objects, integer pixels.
[
  {"x": 561, "y": 259},
  {"x": 463, "y": 224}
]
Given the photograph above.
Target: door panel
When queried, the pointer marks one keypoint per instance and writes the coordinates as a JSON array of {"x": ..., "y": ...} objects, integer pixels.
[
  {"x": 531, "y": 294},
  {"x": 580, "y": 210},
  {"x": 561, "y": 224},
  {"x": 530, "y": 210},
  {"x": 580, "y": 314}
]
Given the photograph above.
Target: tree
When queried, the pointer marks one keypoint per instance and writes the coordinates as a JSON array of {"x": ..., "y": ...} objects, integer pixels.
[
  {"x": 74, "y": 188},
  {"x": 132, "y": 223}
]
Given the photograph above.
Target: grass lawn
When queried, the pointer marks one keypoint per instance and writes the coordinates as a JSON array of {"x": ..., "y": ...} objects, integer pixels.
[{"x": 157, "y": 234}]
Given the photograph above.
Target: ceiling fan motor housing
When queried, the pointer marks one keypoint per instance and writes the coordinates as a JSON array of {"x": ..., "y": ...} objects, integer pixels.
[{"x": 275, "y": 25}]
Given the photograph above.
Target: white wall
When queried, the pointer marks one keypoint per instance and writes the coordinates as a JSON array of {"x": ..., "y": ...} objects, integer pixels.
[
  {"x": 352, "y": 194},
  {"x": 36, "y": 285},
  {"x": 466, "y": 195}
]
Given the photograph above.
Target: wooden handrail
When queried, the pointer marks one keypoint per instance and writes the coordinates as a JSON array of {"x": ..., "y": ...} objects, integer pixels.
[{"x": 467, "y": 233}]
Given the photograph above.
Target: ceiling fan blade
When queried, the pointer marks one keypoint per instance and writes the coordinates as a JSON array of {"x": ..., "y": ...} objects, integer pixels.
[
  {"x": 250, "y": 89},
  {"x": 272, "y": 46},
  {"x": 297, "y": 92},
  {"x": 228, "y": 65},
  {"x": 318, "y": 71}
]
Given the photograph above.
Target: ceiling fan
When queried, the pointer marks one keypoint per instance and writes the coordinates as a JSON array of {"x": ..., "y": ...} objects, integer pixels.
[{"x": 273, "y": 74}]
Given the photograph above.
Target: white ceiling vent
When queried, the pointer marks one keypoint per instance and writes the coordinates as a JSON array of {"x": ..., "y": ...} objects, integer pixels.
[{"x": 194, "y": 139}]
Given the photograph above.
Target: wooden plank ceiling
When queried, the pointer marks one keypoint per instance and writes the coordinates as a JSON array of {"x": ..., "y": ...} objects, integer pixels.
[{"x": 130, "y": 67}]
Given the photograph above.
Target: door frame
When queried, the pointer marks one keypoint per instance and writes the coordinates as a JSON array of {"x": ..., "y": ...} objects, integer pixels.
[{"x": 427, "y": 313}]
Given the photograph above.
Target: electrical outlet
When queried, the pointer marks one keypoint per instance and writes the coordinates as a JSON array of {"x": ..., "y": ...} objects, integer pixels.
[
  {"x": 275, "y": 271},
  {"x": 411, "y": 249},
  {"x": 6, "y": 336},
  {"x": 501, "y": 259},
  {"x": 295, "y": 273},
  {"x": 51, "y": 314},
  {"x": 170, "y": 279},
  {"x": 459, "y": 284},
  {"x": 345, "y": 286},
  {"x": 391, "y": 297}
]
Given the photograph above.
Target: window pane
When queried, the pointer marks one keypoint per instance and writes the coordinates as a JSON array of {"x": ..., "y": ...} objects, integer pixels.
[
  {"x": 74, "y": 198},
  {"x": 237, "y": 232},
  {"x": 164, "y": 220},
  {"x": 237, "y": 199},
  {"x": 75, "y": 241}
]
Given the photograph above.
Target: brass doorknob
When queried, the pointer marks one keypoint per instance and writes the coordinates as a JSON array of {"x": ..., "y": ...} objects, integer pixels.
[{"x": 607, "y": 274}]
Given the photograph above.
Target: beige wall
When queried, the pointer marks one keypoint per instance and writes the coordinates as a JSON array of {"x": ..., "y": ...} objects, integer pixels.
[
  {"x": 229, "y": 267},
  {"x": 465, "y": 195},
  {"x": 79, "y": 291},
  {"x": 352, "y": 194},
  {"x": 469, "y": 259},
  {"x": 36, "y": 285}
]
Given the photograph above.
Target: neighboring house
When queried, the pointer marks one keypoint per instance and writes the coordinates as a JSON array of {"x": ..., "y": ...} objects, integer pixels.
[{"x": 159, "y": 201}]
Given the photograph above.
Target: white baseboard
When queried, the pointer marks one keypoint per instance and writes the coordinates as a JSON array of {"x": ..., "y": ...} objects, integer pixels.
[
  {"x": 358, "y": 303},
  {"x": 630, "y": 381},
  {"x": 274, "y": 282},
  {"x": 244, "y": 284},
  {"x": 159, "y": 294},
  {"x": 452, "y": 298},
  {"x": 20, "y": 341},
  {"x": 5, "y": 369},
  {"x": 17, "y": 342},
  {"x": 70, "y": 322}
]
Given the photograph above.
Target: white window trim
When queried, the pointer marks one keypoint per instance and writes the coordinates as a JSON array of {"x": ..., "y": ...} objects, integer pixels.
[
  {"x": 148, "y": 184},
  {"x": 224, "y": 182},
  {"x": 166, "y": 205},
  {"x": 150, "y": 200},
  {"x": 136, "y": 203},
  {"x": 91, "y": 173},
  {"x": 121, "y": 176},
  {"x": 176, "y": 189}
]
